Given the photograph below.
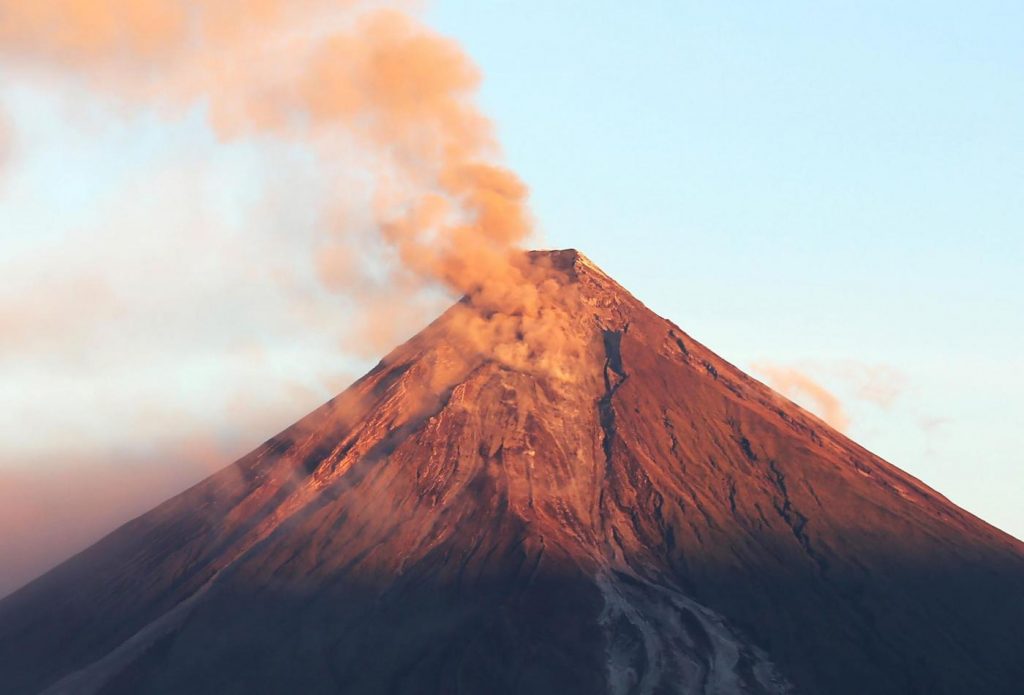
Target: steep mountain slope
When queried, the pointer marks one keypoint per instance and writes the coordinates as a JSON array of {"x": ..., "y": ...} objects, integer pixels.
[{"x": 647, "y": 519}]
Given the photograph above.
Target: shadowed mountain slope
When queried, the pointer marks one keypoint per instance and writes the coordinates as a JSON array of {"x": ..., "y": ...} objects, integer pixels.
[{"x": 644, "y": 519}]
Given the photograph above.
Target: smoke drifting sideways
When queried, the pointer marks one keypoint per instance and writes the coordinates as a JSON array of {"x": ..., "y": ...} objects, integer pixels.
[
  {"x": 333, "y": 77},
  {"x": 412, "y": 210},
  {"x": 796, "y": 384}
]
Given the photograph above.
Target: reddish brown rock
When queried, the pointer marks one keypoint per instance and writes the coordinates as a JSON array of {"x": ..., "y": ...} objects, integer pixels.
[{"x": 653, "y": 521}]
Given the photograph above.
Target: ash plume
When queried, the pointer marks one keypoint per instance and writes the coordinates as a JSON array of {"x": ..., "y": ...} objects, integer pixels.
[
  {"x": 387, "y": 107},
  {"x": 411, "y": 206}
]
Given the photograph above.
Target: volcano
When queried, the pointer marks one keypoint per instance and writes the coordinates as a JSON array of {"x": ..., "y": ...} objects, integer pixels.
[{"x": 643, "y": 519}]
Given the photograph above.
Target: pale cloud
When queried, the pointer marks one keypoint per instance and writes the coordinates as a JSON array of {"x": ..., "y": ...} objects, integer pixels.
[
  {"x": 852, "y": 386},
  {"x": 156, "y": 326},
  {"x": 6, "y": 145},
  {"x": 880, "y": 384},
  {"x": 799, "y": 386},
  {"x": 58, "y": 499},
  {"x": 55, "y": 507},
  {"x": 933, "y": 424},
  {"x": 139, "y": 356}
]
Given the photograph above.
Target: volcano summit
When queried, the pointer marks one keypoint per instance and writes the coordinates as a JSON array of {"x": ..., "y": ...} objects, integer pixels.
[{"x": 634, "y": 515}]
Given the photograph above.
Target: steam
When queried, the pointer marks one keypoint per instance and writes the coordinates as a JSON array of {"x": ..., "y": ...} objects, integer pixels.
[
  {"x": 412, "y": 208},
  {"x": 879, "y": 385},
  {"x": 354, "y": 83},
  {"x": 798, "y": 385}
]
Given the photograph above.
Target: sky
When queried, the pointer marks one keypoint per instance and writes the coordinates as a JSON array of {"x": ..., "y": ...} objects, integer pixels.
[{"x": 827, "y": 195}]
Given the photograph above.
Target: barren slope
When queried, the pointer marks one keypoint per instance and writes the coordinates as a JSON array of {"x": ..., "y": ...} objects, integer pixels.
[{"x": 657, "y": 523}]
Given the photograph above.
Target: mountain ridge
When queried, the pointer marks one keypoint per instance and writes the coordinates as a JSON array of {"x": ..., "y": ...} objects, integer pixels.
[{"x": 595, "y": 503}]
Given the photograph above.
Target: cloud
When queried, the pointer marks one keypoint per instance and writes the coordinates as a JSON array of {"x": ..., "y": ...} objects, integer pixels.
[
  {"x": 57, "y": 500},
  {"x": 54, "y": 508},
  {"x": 802, "y": 388},
  {"x": 323, "y": 74},
  {"x": 6, "y": 145},
  {"x": 932, "y": 424},
  {"x": 128, "y": 377},
  {"x": 350, "y": 82},
  {"x": 138, "y": 333},
  {"x": 880, "y": 384}
]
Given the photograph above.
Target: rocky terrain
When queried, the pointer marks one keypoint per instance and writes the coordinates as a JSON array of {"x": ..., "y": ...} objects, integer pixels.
[{"x": 640, "y": 518}]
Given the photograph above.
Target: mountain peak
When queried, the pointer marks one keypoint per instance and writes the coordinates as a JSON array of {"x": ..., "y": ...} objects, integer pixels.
[
  {"x": 553, "y": 491},
  {"x": 562, "y": 258},
  {"x": 569, "y": 261}
]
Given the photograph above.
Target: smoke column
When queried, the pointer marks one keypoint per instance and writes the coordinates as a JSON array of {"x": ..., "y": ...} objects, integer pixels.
[
  {"x": 338, "y": 78},
  {"x": 413, "y": 200}
]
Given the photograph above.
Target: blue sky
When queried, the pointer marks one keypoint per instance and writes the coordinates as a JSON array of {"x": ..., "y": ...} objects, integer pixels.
[{"x": 834, "y": 188}]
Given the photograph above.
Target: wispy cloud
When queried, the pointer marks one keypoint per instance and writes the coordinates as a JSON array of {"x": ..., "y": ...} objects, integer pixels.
[
  {"x": 6, "y": 144},
  {"x": 168, "y": 306},
  {"x": 66, "y": 493},
  {"x": 933, "y": 424},
  {"x": 880, "y": 384},
  {"x": 53, "y": 508},
  {"x": 799, "y": 386}
]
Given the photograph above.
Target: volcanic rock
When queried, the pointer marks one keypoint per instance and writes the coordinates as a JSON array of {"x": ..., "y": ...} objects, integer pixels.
[{"x": 644, "y": 519}]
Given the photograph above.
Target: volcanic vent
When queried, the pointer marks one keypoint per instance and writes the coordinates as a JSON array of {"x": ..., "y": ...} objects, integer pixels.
[{"x": 634, "y": 515}]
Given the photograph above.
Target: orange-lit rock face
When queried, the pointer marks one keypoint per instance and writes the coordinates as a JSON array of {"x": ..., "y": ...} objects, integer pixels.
[{"x": 627, "y": 514}]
